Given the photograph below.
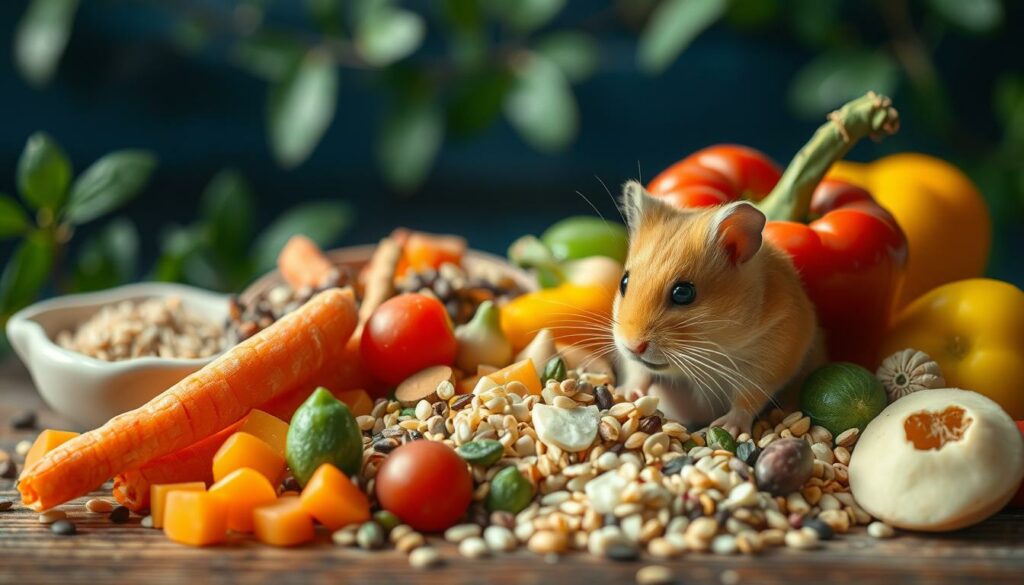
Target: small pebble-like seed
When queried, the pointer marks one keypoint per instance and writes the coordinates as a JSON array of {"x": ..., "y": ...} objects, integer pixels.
[
  {"x": 120, "y": 515},
  {"x": 823, "y": 530},
  {"x": 654, "y": 575},
  {"x": 473, "y": 547},
  {"x": 499, "y": 538},
  {"x": 146, "y": 522},
  {"x": 51, "y": 516},
  {"x": 344, "y": 537},
  {"x": 622, "y": 551},
  {"x": 424, "y": 557},
  {"x": 548, "y": 541},
  {"x": 370, "y": 536},
  {"x": 460, "y": 532},
  {"x": 24, "y": 421},
  {"x": 8, "y": 469},
  {"x": 63, "y": 527},
  {"x": 6, "y": 505},
  {"x": 802, "y": 539},
  {"x": 99, "y": 506},
  {"x": 848, "y": 437},
  {"x": 23, "y": 447},
  {"x": 880, "y": 530},
  {"x": 409, "y": 542},
  {"x": 724, "y": 544}
]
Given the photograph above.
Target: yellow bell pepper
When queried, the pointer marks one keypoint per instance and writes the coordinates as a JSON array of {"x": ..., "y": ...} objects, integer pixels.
[
  {"x": 974, "y": 329},
  {"x": 942, "y": 213},
  {"x": 573, "y": 313}
]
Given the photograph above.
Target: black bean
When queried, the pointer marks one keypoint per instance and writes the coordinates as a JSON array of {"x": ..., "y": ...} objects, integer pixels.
[
  {"x": 8, "y": 469},
  {"x": 824, "y": 531},
  {"x": 722, "y": 516},
  {"x": 290, "y": 484},
  {"x": 695, "y": 513},
  {"x": 411, "y": 436},
  {"x": 603, "y": 397},
  {"x": 676, "y": 465},
  {"x": 650, "y": 424},
  {"x": 120, "y": 515},
  {"x": 385, "y": 445},
  {"x": 5, "y": 505},
  {"x": 24, "y": 420},
  {"x": 611, "y": 519},
  {"x": 462, "y": 401},
  {"x": 63, "y": 527},
  {"x": 748, "y": 452},
  {"x": 622, "y": 552}
]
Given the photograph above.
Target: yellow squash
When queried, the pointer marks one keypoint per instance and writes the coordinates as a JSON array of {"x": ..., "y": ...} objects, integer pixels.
[
  {"x": 575, "y": 314},
  {"x": 943, "y": 215},
  {"x": 974, "y": 329}
]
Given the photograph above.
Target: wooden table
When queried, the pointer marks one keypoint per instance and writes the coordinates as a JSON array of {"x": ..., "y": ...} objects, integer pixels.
[{"x": 102, "y": 552}]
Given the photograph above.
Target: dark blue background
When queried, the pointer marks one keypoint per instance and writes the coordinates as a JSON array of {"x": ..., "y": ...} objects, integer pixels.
[{"x": 124, "y": 83}]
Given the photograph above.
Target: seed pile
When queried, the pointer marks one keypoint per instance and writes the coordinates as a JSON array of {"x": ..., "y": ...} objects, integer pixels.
[
  {"x": 616, "y": 478},
  {"x": 460, "y": 291},
  {"x": 154, "y": 327},
  {"x": 248, "y": 317}
]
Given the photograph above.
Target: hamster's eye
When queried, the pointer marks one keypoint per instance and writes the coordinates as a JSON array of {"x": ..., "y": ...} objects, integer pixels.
[
  {"x": 624, "y": 283},
  {"x": 683, "y": 293}
]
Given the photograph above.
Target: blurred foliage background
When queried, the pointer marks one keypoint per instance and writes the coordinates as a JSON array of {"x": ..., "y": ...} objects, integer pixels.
[{"x": 236, "y": 123}]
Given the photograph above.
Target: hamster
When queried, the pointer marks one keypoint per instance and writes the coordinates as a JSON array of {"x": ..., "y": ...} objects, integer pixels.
[{"x": 708, "y": 317}]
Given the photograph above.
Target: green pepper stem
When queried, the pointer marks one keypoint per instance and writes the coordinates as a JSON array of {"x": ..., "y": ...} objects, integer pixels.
[{"x": 869, "y": 115}]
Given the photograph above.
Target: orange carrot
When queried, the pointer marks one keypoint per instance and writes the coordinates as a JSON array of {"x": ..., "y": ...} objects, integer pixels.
[
  {"x": 260, "y": 368},
  {"x": 193, "y": 463},
  {"x": 302, "y": 264}
]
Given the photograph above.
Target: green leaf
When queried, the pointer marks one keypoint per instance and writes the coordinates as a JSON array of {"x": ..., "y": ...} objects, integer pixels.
[
  {"x": 43, "y": 172},
  {"x": 267, "y": 55},
  {"x": 409, "y": 141},
  {"x": 41, "y": 37},
  {"x": 673, "y": 25},
  {"x": 541, "y": 105},
  {"x": 227, "y": 207},
  {"x": 321, "y": 221},
  {"x": 388, "y": 34},
  {"x": 26, "y": 272},
  {"x": 1009, "y": 106},
  {"x": 476, "y": 101},
  {"x": 176, "y": 244},
  {"x": 302, "y": 107},
  {"x": 13, "y": 220},
  {"x": 527, "y": 15},
  {"x": 834, "y": 78},
  {"x": 974, "y": 16},
  {"x": 752, "y": 14},
  {"x": 575, "y": 53},
  {"x": 109, "y": 183},
  {"x": 326, "y": 14},
  {"x": 815, "y": 22},
  {"x": 109, "y": 258}
]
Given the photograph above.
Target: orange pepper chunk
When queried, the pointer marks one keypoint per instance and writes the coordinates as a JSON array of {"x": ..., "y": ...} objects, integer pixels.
[
  {"x": 47, "y": 441},
  {"x": 245, "y": 450},
  {"x": 267, "y": 427},
  {"x": 523, "y": 372},
  {"x": 332, "y": 498},
  {"x": 283, "y": 523},
  {"x": 195, "y": 518},
  {"x": 158, "y": 497},
  {"x": 358, "y": 401},
  {"x": 242, "y": 491}
]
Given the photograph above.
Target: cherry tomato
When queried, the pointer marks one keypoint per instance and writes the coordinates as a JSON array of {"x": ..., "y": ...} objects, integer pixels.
[
  {"x": 406, "y": 334},
  {"x": 426, "y": 484}
]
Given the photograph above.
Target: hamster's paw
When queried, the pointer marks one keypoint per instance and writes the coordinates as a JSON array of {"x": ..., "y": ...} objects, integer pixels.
[{"x": 737, "y": 421}]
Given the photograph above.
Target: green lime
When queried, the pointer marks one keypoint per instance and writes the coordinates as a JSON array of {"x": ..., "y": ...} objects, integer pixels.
[
  {"x": 323, "y": 431},
  {"x": 584, "y": 236},
  {"x": 841, "y": 396}
]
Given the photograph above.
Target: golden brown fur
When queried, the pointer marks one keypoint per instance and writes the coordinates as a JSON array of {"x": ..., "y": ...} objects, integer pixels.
[{"x": 749, "y": 331}]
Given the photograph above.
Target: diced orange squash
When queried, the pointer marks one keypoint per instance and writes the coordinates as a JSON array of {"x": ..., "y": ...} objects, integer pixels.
[
  {"x": 466, "y": 385},
  {"x": 47, "y": 441},
  {"x": 195, "y": 518},
  {"x": 521, "y": 372},
  {"x": 421, "y": 250},
  {"x": 272, "y": 430},
  {"x": 283, "y": 523},
  {"x": 245, "y": 450},
  {"x": 242, "y": 491},
  {"x": 332, "y": 498},
  {"x": 158, "y": 497},
  {"x": 358, "y": 401}
]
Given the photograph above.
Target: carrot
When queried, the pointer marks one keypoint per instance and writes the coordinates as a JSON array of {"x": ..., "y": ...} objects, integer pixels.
[
  {"x": 193, "y": 463},
  {"x": 260, "y": 368},
  {"x": 302, "y": 264}
]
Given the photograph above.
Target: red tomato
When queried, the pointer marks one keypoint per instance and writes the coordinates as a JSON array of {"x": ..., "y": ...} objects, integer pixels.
[
  {"x": 1018, "y": 500},
  {"x": 406, "y": 334},
  {"x": 426, "y": 484}
]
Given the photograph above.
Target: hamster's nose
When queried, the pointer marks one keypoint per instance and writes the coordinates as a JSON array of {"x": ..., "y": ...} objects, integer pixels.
[{"x": 639, "y": 347}]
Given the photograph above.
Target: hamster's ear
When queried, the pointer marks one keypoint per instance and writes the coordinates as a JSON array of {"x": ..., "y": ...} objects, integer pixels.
[
  {"x": 737, "y": 228},
  {"x": 637, "y": 204}
]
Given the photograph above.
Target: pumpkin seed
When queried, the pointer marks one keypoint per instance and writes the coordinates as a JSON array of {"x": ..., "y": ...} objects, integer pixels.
[
  {"x": 719, "y": 438},
  {"x": 482, "y": 452},
  {"x": 554, "y": 370},
  {"x": 510, "y": 491}
]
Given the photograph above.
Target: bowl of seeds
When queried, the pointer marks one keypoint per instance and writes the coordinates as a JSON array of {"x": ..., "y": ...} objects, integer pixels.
[{"x": 93, "y": 356}]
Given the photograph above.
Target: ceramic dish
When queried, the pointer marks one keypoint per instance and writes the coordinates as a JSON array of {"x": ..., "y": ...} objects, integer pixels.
[{"x": 90, "y": 391}]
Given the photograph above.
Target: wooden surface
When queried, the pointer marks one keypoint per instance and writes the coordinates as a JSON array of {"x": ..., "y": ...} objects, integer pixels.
[{"x": 102, "y": 552}]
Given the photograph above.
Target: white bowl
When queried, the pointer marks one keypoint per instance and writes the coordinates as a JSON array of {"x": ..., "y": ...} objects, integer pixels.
[{"x": 89, "y": 391}]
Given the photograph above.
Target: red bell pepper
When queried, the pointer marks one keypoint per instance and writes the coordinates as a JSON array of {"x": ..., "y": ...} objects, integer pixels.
[{"x": 849, "y": 251}]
